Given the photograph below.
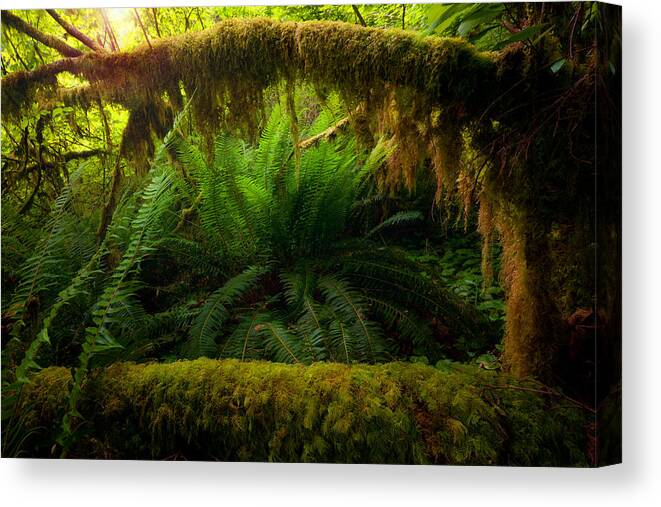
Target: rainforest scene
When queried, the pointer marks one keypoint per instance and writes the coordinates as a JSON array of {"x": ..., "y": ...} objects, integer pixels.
[{"x": 327, "y": 233}]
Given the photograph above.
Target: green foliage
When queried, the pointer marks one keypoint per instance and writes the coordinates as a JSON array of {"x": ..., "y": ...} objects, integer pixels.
[
  {"x": 353, "y": 331},
  {"x": 481, "y": 23},
  {"x": 460, "y": 269},
  {"x": 213, "y": 314},
  {"x": 331, "y": 294},
  {"x": 117, "y": 306},
  {"x": 43, "y": 272},
  {"x": 399, "y": 218},
  {"x": 297, "y": 242}
]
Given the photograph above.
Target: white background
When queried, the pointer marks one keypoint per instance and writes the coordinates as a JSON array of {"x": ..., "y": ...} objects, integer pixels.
[{"x": 636, "y": 482}]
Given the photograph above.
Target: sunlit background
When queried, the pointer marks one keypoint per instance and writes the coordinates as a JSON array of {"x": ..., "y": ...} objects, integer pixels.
[{"x": 123, "y": 23}]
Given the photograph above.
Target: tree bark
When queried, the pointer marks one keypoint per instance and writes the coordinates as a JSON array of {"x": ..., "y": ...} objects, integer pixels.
[
  {"x": 74, "y": 32},
  {"x": 58, "y": 45}
]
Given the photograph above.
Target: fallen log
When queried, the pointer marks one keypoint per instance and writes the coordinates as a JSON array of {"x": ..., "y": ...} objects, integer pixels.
[{"x": 258, "y": 411}]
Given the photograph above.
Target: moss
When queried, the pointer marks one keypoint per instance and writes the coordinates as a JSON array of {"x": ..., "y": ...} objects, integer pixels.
[
  {"x": 21, "y": 88},
  {"x": 228, "y": 68},
  {"x": 258, "y": 411},
  {"x": 262, "y": 52}
]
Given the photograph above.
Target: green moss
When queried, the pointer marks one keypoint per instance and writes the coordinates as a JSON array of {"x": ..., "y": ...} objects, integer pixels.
[
  {"x": 258, "y": 411},
  {"x": 229, "y": 66}
]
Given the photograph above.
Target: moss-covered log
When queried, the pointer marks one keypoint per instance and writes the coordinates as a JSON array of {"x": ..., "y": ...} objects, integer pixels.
[
  {"x": 261, "y": 52},
  {"x": 232, "y": 410}
]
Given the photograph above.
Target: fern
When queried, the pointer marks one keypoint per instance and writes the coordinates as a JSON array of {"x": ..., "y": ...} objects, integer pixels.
[
  {"x": 119, "y": 294},
  {"x": 74, "y": 289},
  {"x": 43, "y": 270},
  {"x": 255, "y": 206},
  {"x": 243, "y": 342},
  {"x": 265, "y": 335},
  {"x": 208, "y": 323},
  {"x": 310, "y": 325},
  {"x": 351, "y": 307},
  {"x": 396, "y": 220},
  {"x": 280, "y": 343}
]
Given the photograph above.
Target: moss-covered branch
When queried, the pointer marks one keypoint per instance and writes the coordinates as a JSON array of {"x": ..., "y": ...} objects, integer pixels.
[
  {"x": 13, "y": 21},
  {"x": 74, "y": 32},
  {"x": 355, "y": 60},
  {"x": 232, "y": 410}
]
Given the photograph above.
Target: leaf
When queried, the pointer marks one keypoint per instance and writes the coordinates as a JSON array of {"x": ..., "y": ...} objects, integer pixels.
[
  {"x": 446, "y": 17},
  {"x": 397, "y": 219},
  {"x": 207, "y": 326},
  {"x": 557, "y": 65},
  {"x": 525, "y": 34},
  {"x": 481, "y": 13},
  {"x": 611, "y": 67}
]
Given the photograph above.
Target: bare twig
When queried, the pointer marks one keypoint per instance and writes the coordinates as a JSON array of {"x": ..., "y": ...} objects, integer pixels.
[
  {"x": 548, "y": 392},
  {"x": 16, "y": 52},
  {"x": 110, "y": 31},
  {"x": 158, "y": 30},
  {"x": 327, "y": 134},
  {"x": 199, "y": 18}
]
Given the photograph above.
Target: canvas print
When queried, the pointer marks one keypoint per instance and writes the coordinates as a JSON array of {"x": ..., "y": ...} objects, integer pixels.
[{"x": 385, "y": 233}]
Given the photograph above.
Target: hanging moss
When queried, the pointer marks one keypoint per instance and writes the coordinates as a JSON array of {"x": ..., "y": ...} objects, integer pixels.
[
  {"x": 258, "y": 411},
  {"x": 146, "y": 123},
  {"x": 19, "y": 89},
  {"x": 229, "y": 66}
]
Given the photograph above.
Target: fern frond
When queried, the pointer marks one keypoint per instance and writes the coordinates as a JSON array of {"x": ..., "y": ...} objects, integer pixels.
[
  {"x": 342, "y": 341},
  {"x": 208, "y": 323},
  {"x": 118, "y": 297},
  {"x": 280, "y": 343},
  {"x": 43, "y": 270},
  {"x": 274, "y": 146},
  {"x": 351, "y": 306},
  {"x": 243, "y": 343},
  {"x": 76, "y": 287},
  {"x": 400, "y": 218}
]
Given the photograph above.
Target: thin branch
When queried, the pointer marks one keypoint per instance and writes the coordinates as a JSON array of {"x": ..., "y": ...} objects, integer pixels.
[
  {"x": 16, "y": 52},
  {"x": 68, "y": 157},
  {"x": 199, "y": 18},
  {"x": 109, "y": 143},
  {"x": 144, "y": 31},
  {"x": 30, "y": 200},
  {"x": 74, "y": 32},
  {"x": 326, "y": 135},
  {"x": 109, "y": 207},
  {"x": 158, "y": 30},
  {"x": 58, "y": 45},
  {"x": 38, "y": 52},
  {"x": 548, "y": 392},
  {"x": 361, "y": 20},
  {"x": 110, "y": 31}
]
